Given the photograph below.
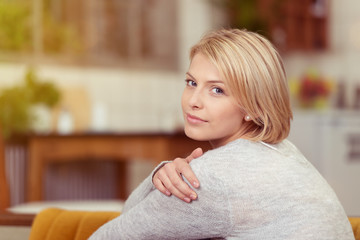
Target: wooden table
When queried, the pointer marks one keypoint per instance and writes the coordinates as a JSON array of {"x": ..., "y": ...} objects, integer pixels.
[
  {"x": 15, "y": 219},
  {"x": 44, "y": 150}
]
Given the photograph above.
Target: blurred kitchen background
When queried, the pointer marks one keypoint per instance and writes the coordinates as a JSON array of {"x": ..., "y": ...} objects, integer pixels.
[{"x": 117, "y": 67}]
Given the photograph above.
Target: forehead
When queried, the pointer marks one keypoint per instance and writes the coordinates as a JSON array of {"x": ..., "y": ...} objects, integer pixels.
[{"x": 202, "y": 67}]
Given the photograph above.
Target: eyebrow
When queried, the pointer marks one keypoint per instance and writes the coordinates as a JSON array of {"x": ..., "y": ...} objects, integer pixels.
[
  {"x": 190, "y": 75},
  {"x": 210, "y": 81}
]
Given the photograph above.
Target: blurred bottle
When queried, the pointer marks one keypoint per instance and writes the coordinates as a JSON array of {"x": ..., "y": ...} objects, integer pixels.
[
  {"x": 341, "y": 96},
  {"x": 357, "y": 98},
  {"x": 65, "y": 122},
  {"x": 99, "y": 117}
]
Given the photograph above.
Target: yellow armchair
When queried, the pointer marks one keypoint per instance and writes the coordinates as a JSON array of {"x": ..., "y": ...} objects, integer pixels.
[
  {"x": 355, "y": 223},
  {"x": 58, "y": 224}
]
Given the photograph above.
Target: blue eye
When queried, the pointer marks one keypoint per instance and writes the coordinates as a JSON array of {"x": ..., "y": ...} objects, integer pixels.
[
  {"x": 217, "y": 90},
  {"x": 190, "y": 82}
]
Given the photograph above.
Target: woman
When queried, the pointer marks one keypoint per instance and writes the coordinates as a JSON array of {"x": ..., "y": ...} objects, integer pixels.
[{"x": 254, "y": 183}]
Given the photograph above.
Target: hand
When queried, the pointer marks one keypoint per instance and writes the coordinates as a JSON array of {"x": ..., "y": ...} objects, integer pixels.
[{"x": 168, "y": 179}]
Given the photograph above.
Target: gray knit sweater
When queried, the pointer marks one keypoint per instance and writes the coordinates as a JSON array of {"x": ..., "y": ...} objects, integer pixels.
[{"x": 249, "y": 190}]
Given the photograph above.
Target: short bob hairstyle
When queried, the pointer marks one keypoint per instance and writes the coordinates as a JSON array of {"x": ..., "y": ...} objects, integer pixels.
[{"x": 255, "y": 75}]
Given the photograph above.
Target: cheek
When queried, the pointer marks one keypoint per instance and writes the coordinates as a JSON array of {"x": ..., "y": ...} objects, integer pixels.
[
  {"x": 230, "y": 114},
  {"x": 184, "y": 99}
]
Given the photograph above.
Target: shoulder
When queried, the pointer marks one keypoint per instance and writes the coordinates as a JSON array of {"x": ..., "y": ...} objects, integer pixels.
[
  {"x": 242, "y": 159},
  {"x": 223, "y": 164},
  {"x": 235, "y": 151}
]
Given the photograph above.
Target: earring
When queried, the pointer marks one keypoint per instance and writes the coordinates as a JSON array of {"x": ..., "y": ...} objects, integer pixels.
[{"x": 247, "y": 118}]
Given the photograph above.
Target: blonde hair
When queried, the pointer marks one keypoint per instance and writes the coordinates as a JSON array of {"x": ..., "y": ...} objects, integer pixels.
[{"x": 255, "y": 75}]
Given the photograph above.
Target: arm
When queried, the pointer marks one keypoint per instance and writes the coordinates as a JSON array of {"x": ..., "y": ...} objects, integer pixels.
[
  {"x": 168, "y": 177},
  {"x": 160, "y": 217},
  {"x": 146, "y": 187}
]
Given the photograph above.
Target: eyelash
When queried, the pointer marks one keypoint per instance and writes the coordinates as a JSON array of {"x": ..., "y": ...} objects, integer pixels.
[
  {"x": 218, "y": 93},
  {"x": 190, "y": 82}
]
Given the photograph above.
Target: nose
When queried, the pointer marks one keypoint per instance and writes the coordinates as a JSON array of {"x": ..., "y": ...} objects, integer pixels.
[{"x": 195, "y": 100}]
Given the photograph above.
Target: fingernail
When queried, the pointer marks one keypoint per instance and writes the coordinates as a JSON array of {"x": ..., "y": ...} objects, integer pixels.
[
  {"x": 168, "y": 193},
  {"x": 187, "y": 199},
  {"x": 193, "y": 196},
  {"x": 196, "y": 184}
]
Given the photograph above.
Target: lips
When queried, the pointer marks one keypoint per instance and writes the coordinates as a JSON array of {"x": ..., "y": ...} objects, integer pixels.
[{"x": 194, "y": 119}]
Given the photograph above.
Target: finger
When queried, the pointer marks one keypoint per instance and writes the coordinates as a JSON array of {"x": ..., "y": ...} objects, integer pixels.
[
  {"x": 174, "y": 182},
  {"x": 174, "y": 191},
  {"x": 158, "y": 184},
  {"x": 188, "y": 173},
  {"x": 194, "y": 154},
  {"x": 162, "y": 182},
  {"x": 178, "y": 182}
]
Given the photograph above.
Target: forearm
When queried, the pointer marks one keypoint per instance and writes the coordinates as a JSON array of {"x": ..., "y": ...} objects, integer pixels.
[{"x": 160, "y": 217}]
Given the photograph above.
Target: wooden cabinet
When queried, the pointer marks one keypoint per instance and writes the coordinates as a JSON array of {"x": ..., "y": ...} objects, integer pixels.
[
  {"x": 49, "y": 149},
  {"x": 292, "y": 25},
  {"x": 304, "y": 25}
]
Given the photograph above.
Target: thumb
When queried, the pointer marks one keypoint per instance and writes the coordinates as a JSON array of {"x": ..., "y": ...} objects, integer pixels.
[{"x": 195, "y": 154}]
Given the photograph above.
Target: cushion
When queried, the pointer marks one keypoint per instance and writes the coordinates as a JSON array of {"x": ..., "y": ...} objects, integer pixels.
[{"x": 60, "y": 224}]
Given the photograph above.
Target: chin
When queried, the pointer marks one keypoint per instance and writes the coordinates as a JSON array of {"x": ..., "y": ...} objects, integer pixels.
[{"x": 195, "y": 135}]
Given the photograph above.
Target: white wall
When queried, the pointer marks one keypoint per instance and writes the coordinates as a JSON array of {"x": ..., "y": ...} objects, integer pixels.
[
  {"x": 194, "y": 20},
  {"x": 133, "y": 100}
]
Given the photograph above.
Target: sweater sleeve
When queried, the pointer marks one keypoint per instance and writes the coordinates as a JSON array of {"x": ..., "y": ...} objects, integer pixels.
[{"x": 157, "y": 216}]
